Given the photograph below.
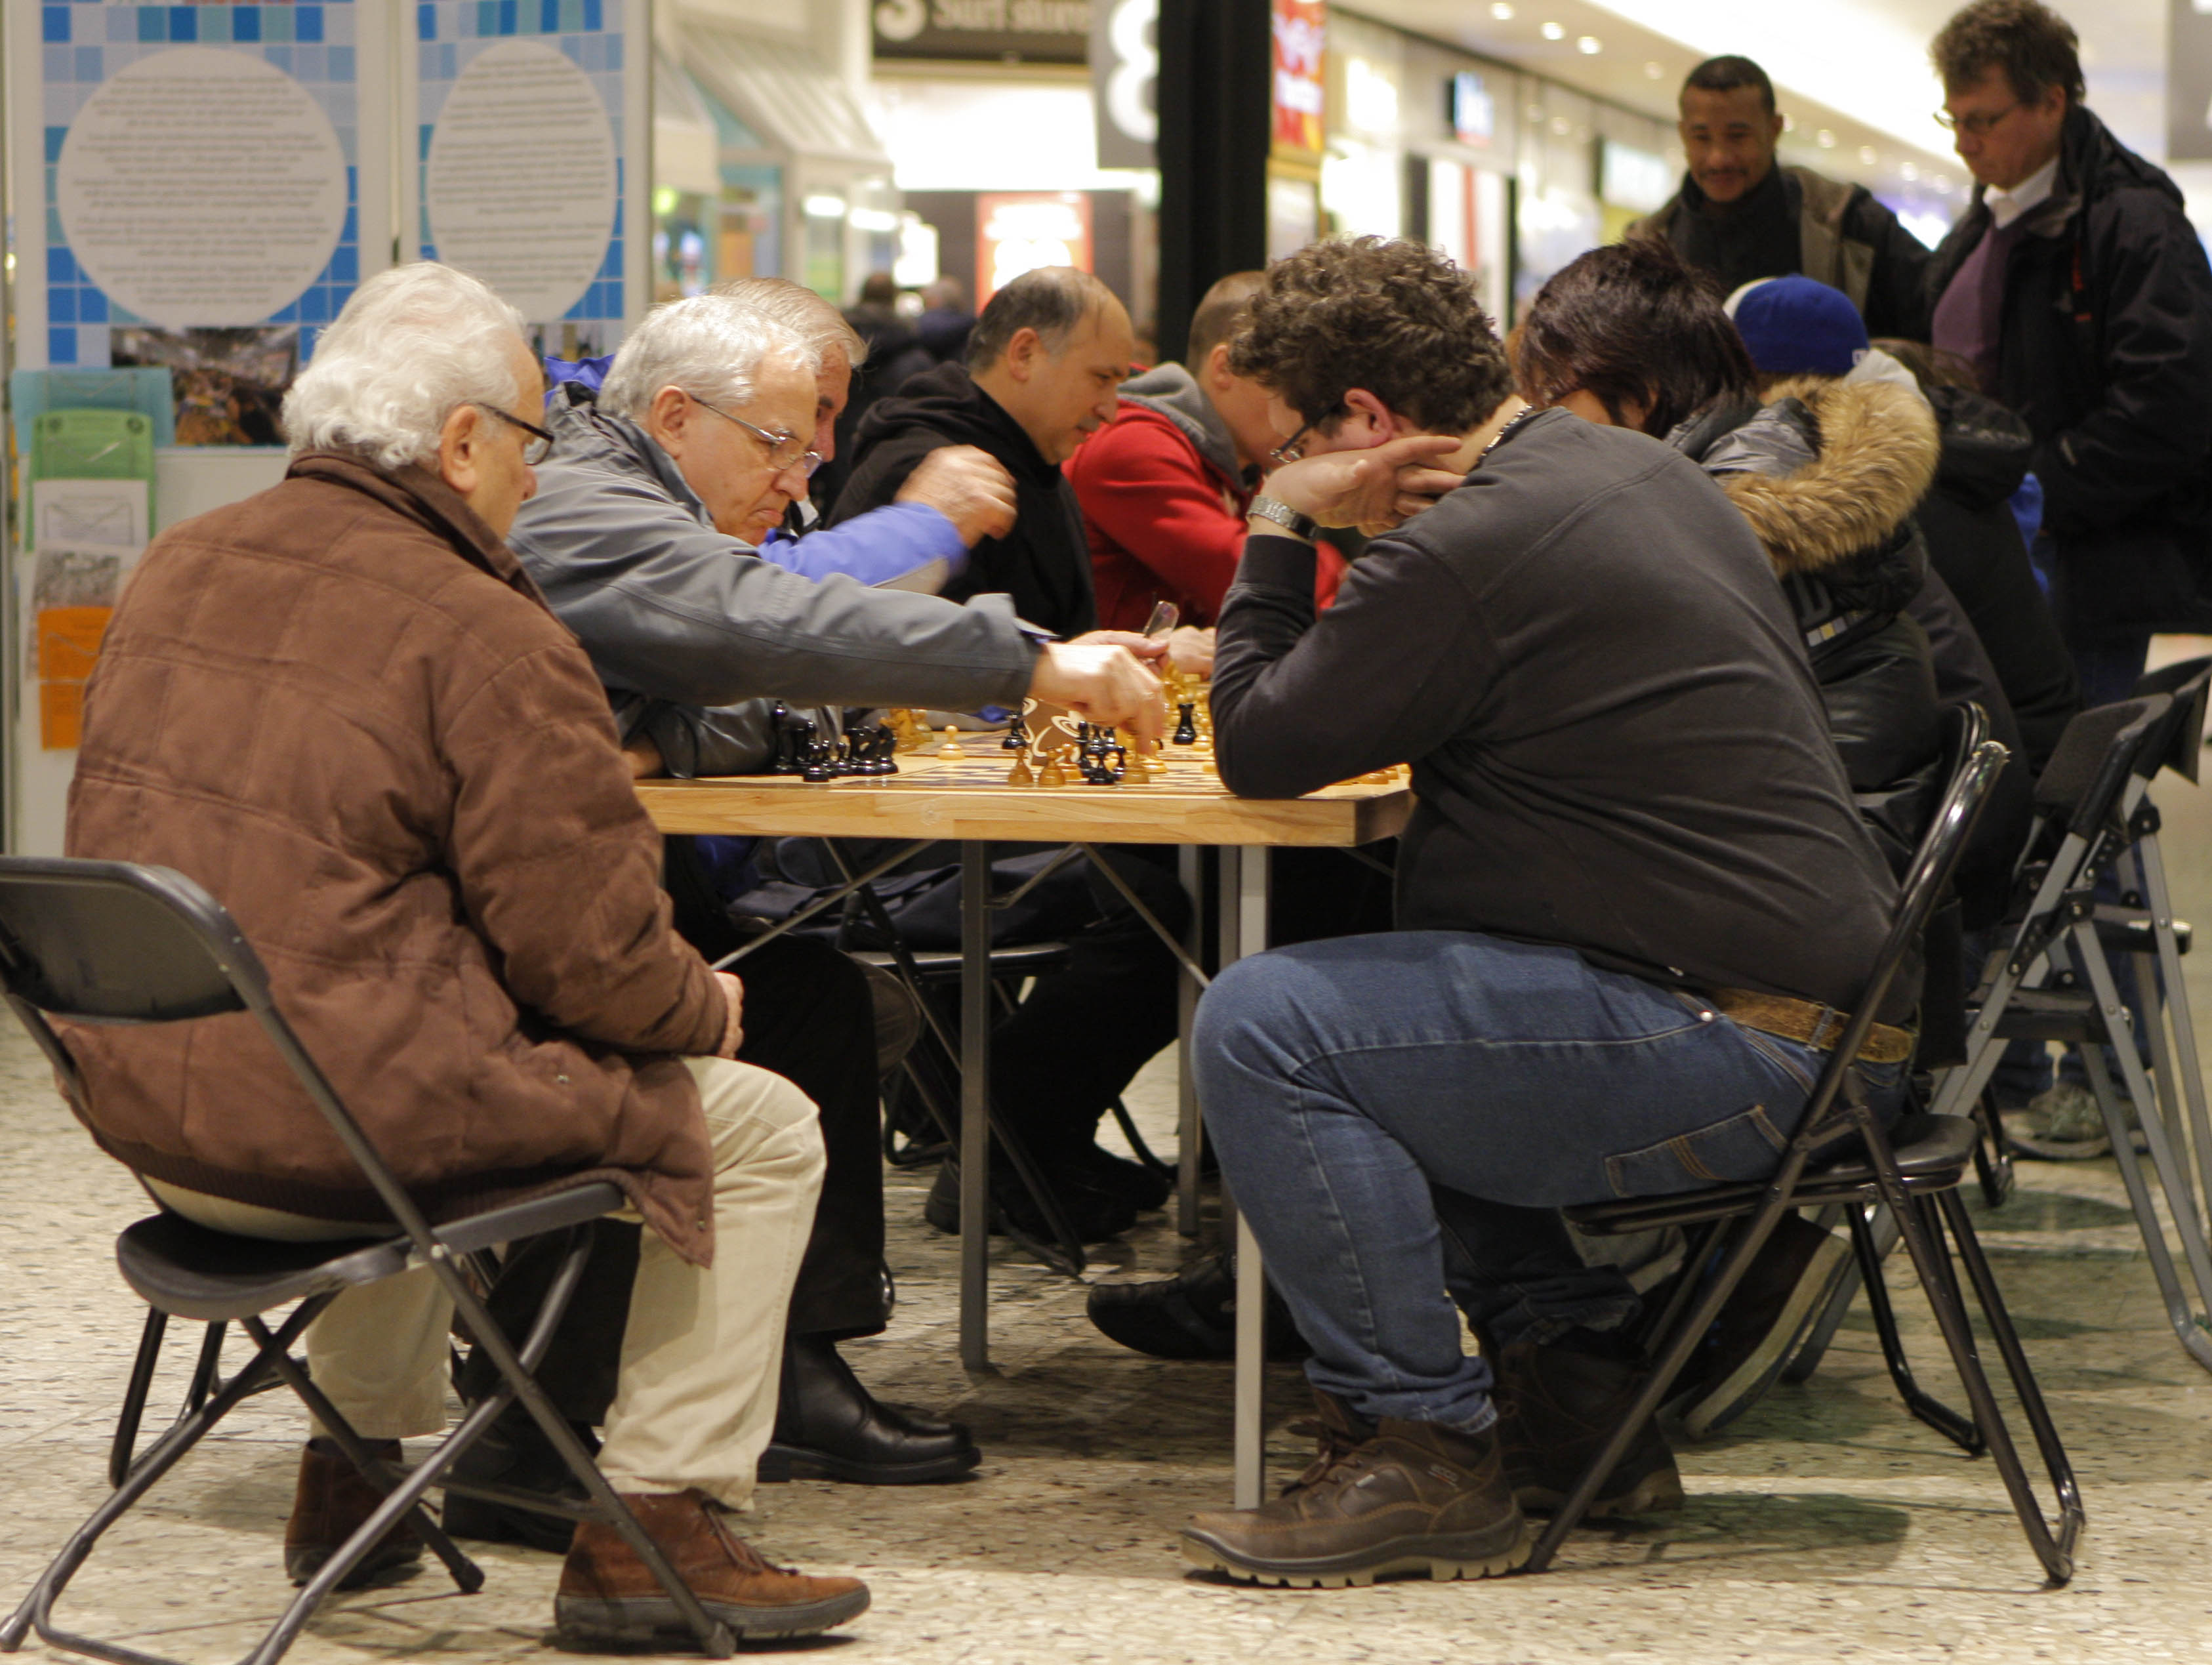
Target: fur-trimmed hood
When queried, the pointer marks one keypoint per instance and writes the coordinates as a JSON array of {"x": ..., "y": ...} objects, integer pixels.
[{"x": 1865, "y": 454}]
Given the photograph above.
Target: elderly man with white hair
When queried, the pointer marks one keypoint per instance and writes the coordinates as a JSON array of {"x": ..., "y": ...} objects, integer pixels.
[
  {"x": 648, "y": 535},
  {"x": 342, "y": 707}
]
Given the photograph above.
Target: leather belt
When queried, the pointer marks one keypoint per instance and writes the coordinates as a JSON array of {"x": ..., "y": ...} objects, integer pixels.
[{"x": 1811, "y": 1025}]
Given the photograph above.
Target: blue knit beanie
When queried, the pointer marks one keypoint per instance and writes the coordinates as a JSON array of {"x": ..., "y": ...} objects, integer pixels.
[{"x": 1796, "y": 326}]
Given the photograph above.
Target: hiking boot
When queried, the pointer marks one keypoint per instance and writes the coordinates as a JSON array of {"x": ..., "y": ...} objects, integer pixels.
[
  {"x": 2064, "y": 1124},
  {"x": 514, "y": 1452},
  {"x": 1380, "y": 1498},
  {"x": 1094, "y": 1214},
  {"x": 1556, "y": 1406},
  {"x": 329, "y": 1505},
  {"x": 609, "y": 1598},
  {"x": 1192, "y": 1315},
  {"x": 1783, "y": 1291}
]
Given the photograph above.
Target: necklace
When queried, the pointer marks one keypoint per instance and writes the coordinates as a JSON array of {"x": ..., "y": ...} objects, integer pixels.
[{"x": 1510, "y": 428}]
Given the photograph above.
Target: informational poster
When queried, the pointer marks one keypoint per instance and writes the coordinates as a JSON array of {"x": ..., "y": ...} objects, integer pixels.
[
  {"x": 528, "y": 118},
  {"x": 197, "y": 188},
  {"x": 207, "y": 172},
  {"x": 1019, "y": 231}
]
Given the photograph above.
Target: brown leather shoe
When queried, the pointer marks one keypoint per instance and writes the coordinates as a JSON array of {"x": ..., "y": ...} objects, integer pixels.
[
  {"x": 328, "y": 1507},
  {"x": 1556, "y": 1407},
  {"x": 1381, "y": 1497},
  {"x": 609, "y": 1598}
]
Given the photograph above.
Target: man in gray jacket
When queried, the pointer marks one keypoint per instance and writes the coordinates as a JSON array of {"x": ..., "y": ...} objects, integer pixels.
[{"x": 644, "y": 535}]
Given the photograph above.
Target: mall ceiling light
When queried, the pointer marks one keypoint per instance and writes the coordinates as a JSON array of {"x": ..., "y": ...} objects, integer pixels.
[
  {"x": 1501, "y": 11},
  {"x": 1910, "y": 171},
  {"x": 1554, "y": 32},
  {"x": 1655, "y": 71},
  {"x": 1869, "y": 155},
  {"x": 1588, "y": 45},
  {"x": 1827, "y": 138},
  {"x": 824, "y": 208}
]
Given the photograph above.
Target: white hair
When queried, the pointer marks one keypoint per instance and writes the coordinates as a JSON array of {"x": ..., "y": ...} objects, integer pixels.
[
  {"x": 709, "y": 345},
  {"x": 412, "y": 345},
  {"x": 802, "y": 312}
]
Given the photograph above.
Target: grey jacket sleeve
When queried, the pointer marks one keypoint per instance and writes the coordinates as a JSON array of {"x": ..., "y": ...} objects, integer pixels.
[{"x": 675, "y": 611}]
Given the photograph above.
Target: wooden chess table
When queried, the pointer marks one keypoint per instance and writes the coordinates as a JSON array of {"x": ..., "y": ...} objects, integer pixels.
[{"x": 967, "y": 800}]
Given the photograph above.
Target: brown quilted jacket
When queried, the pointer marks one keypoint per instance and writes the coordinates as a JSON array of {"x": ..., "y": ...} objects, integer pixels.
[{"x": 343, "y": 707}]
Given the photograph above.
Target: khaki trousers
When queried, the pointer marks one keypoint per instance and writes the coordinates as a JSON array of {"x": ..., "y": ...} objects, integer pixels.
[{"x": 696, "y": 1400}]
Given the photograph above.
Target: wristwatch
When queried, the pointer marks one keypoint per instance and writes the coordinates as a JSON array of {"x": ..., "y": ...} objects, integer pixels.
[{"x": 1275, "y": 509}]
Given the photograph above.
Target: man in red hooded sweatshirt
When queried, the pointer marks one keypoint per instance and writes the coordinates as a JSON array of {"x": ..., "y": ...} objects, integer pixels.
[{"x": 1164, "y": 486}]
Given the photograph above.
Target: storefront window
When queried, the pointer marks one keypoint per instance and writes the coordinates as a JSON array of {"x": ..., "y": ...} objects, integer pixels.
[{"x": 681, "y": 264}]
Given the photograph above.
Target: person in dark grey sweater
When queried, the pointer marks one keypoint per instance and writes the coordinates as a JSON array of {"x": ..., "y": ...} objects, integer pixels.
[{"x": 1633, "y": 889}]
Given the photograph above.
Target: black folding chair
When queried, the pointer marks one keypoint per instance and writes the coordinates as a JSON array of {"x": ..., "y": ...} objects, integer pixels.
[
  {"x": 1916, "y": 1170},
  {"x": 2051, "y": 978},
  {"x": 103, "y": 942}
]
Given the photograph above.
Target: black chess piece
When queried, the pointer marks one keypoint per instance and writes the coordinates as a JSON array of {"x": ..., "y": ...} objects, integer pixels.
[
  {"x": 1017, "y": 735},
  {"x": 821, "y": 761},
  {"x": 1185, "y": 730},
  {"x": 882, "y": 749}
]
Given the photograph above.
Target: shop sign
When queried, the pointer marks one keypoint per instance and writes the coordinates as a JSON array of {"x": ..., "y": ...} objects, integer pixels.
[
  {"x": 1032, "y": 31},
  {"x": 1474, "y": 112},
  {"x": 1125, "y": 74},
  {"x": 1633, "y": 178},
  {"x": 1018, "y": 230},
  {"x": 1301, "y": 31},
  {"x": 2188, "y": 81}
]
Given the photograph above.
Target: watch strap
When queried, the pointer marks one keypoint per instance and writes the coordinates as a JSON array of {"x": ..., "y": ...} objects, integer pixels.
[{"x": 1275, "y": 509}]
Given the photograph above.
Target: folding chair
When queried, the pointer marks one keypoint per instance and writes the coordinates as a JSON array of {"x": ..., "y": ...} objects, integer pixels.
[
  {"x": 2052, "y": 980},
  {"x": 102, "y": 942},
  {"x": 1916, "y": 1170}
]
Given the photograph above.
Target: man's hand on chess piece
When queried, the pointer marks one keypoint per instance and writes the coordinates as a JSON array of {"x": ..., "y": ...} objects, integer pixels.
[
  {"x": 967, "y": 487},
  {"x": 1101, "y": 677},
  {"x": 1374, "y": 489},
  {"x": 1190, "y": 650},
  {"x": 733, "y": 1026}
]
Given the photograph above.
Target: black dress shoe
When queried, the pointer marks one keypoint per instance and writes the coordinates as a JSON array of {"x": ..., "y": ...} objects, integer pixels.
[
  {"x": 827, "y": 1426},
  {"x": 1136, "y": 1184},
  {"x": 1190, "y": 1316},
  {"x": 1095, "y": 1214},
  {"x": 515, "y": 1452}
]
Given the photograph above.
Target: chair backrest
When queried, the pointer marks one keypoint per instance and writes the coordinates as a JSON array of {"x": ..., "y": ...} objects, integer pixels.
[
  {"x": 1927, "y": 882},
  {"x": 2089, "y": 771},
  {"x": 2179, "y": 743},
  {"x": 114, "y": 942}
]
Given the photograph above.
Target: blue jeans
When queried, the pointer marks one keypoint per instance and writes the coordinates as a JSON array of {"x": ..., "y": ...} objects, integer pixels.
[{"x": 1400, "y": 1116}]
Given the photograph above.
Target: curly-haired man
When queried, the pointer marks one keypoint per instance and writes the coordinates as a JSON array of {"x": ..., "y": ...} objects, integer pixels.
[{"x": 1632, "y": 889}]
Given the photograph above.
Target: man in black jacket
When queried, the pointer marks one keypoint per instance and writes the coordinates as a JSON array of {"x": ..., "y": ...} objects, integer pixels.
[
  {"x": 2078, "y": 288},
  {"x": 1740, "y": 218},
  {"x": 1633, "y": 888},
  {"x": 1044, "y": 366}
]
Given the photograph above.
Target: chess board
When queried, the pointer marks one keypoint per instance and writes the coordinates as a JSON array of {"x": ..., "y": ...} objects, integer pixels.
[{"x": 968, "y": 797}]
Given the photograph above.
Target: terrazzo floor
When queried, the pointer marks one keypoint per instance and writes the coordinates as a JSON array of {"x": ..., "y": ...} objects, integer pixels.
[{"x": 1824, "y": 1525}]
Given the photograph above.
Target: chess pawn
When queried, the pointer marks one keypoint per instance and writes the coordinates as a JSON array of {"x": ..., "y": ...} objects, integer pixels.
[
  {"x": 1021, "y": 774},
  {"x": 1053, "y": 773},
  {"x": 951, "y": 749}
]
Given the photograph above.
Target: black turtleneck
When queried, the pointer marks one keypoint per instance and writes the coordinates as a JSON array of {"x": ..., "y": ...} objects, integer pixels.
[{"x": 1755, "y": 236}]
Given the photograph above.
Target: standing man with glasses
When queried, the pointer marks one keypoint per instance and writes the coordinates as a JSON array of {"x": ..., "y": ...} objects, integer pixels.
[
  {"x": 2078, "y": 287},
  {"x": 1741, "y": 217}
]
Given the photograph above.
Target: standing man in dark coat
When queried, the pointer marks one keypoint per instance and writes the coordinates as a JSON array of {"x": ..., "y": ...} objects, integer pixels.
[
  {"x": 1740, "y": 218},
  {"x": 1044, "y": 366},
  {"x": 2078, "y": 287}
]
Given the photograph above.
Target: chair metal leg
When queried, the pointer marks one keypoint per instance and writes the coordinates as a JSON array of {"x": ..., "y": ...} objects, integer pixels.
[
  {"x": 1993, "y": 1168},
  {"x": 1931, "y": 1261},
  {"x": 1815, "y": 1347},
  {"x": 2152, "y": 865},
  {"x": 204, "y": 1377},
  {"x": 2186, "y": 1327},
  {"x": 36, "y": 1610},
  {"x": 134, "y": 1396},
  {"x": 1661, "y": 1381},
  {"x": 1190, "y": 1130},
  {"x": 2053, "y": 1552},
  {"x": 1960, "y": 1431}
]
